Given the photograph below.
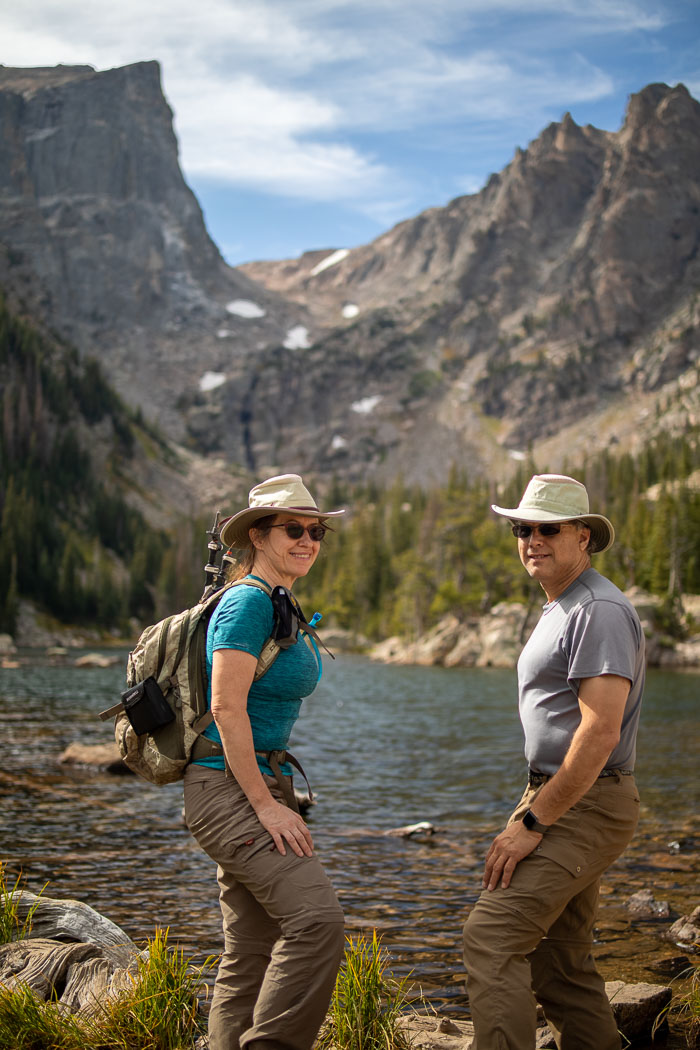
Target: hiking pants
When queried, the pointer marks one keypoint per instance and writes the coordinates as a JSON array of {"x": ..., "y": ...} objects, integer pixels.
[
  {"x": 534, "y": 941},
  {"x": 283, "y": 926}
]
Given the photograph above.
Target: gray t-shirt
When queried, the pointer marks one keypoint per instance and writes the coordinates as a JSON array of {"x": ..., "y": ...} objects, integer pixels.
[{"x": 589, "y": 630}]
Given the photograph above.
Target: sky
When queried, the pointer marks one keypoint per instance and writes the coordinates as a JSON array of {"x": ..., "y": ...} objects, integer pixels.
[{"x": 319, "y": 124}]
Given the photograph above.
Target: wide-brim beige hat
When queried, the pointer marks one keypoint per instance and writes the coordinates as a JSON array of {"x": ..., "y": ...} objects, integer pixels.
[
  {"x": 286, "y": 493},
  {"x": 555, "y": 497}
]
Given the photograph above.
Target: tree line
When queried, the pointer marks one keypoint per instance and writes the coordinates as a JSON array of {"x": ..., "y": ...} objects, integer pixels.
[
  {"x": 68, "y": 539},
  {"x": 402, "y": 557},
  {"x": 407, "y": 557}
]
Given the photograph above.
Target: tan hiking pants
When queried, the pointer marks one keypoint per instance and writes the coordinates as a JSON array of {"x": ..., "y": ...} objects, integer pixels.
[
  {"x": 283, "y": 926},
  {"x": 533, "y": 941}
]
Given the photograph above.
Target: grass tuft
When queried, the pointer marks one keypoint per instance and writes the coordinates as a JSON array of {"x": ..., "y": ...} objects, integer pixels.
[
  {"x": 28, "y": 1023},
  {"x": 367, "y": 1002},
  {"x": 11, "y": 928},
  {"x": 159, "y": 1012},
  {"x": 684, "y": 1008}
]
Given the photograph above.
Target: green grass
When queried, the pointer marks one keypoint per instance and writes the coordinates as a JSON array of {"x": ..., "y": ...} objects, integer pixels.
[
  {"x": 11, "y": 928},
  {"x": 159, "y": 1011},
  {"x": 684, "y": 1008},
  {"x": 367, "y": 1002}
]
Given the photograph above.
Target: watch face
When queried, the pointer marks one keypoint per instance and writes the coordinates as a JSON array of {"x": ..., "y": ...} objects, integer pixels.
[{"x": 532, "y": 823}]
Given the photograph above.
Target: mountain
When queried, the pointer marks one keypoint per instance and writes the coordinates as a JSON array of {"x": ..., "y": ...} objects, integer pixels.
[
  {"x": 550, "y": 309},
  {"x": 556, "y": 310},
  {"x": 101, "y": 238}
]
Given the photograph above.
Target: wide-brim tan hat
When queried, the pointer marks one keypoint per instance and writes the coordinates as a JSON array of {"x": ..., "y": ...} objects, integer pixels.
[
  {"x": 284, "y": 493},
  {"x": 555, "y": 497}
]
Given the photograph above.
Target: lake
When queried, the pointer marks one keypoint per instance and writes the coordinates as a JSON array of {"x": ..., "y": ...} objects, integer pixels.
[{"x": 383, "y": 746}]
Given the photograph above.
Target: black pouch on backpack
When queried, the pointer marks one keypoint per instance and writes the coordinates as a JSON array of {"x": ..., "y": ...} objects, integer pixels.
[{"x": 146, "y": 707}]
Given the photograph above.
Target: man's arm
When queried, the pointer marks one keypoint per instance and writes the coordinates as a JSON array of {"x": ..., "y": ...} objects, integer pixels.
[{"x": 602, "y": 704}]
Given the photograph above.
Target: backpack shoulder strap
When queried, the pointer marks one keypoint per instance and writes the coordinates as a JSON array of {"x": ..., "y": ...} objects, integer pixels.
[{"x": 271, "y": 649}]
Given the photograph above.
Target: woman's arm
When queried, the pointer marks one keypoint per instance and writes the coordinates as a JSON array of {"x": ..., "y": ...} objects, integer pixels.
[{"x": 232, "y": 676}]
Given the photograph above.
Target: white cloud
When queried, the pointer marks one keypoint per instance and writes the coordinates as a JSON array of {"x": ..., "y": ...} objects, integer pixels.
[{"x": 285, "y": 95}]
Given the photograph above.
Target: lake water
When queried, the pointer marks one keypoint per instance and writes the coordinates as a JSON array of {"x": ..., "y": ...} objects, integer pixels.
[{"x": 383, "y": 747}]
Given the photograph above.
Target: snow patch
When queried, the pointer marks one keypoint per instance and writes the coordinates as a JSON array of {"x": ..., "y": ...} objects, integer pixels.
[
  {"x": 245, "y": 308},
  {"x": 366, "y": 404},
  {"x": 350, "y": 310},
  {"x": 210, "y": 381},
  {"x": 224, "y": 333},
  {"x": 330, "y": 260},
  {"x": 297, "y": 338},
  {"x": 338, "y": 442}
]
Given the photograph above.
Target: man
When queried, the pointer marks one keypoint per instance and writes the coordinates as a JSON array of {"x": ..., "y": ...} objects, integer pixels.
[{"x": 580, "y": 682}]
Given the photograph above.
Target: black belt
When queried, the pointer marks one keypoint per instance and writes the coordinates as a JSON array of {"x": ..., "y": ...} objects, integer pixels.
[{"x": 534, "y": 778}]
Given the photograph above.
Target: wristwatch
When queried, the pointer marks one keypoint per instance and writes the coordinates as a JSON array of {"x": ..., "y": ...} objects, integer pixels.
[{"x": 532, "y": 823}]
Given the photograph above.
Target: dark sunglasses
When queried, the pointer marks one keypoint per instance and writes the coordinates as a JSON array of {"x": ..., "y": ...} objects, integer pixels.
[
  {"x": 295, "y": 530},
  {"x": 523, "y": 532}
]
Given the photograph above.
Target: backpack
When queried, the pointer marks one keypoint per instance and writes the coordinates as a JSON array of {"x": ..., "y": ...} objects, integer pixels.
[{"x": 163, "y": 712}]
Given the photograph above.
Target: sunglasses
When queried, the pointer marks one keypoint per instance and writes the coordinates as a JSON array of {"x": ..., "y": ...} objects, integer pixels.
[
  {"x": 523, "y": 532},
  {"x": 295, "y": 530}
]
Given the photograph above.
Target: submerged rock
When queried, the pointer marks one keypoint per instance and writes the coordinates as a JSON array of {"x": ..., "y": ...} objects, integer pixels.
[{"x": 103, "y": 757}]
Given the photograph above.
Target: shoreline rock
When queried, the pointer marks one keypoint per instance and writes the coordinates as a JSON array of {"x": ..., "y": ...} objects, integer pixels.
[{"x": 496, "y": 639}]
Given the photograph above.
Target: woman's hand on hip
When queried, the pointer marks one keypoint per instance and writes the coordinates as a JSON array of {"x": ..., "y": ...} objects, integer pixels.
[{"x": 286, "y": 826}]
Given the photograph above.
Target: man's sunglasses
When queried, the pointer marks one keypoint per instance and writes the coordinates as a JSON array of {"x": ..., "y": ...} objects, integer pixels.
[
  {"x": 523, "y": 532},
  {"x": 295, "y": 530}
]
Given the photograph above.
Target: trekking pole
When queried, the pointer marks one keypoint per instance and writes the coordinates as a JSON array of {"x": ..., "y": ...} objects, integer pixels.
[{"x": 214, "y": 573}]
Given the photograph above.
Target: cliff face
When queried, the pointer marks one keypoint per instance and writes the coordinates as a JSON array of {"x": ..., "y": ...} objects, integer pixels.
[
  {"x": 567, "y": 287},
  {"x": 557, "y": 308},
  {"x": 104, "y": 241}
]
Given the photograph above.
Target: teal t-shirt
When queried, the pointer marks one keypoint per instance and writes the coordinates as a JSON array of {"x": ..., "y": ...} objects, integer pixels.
[{"x": 243, "y": 620}]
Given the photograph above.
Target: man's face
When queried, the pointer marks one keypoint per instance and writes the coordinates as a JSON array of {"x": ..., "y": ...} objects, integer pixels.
[{"x": 555, "y": 560}]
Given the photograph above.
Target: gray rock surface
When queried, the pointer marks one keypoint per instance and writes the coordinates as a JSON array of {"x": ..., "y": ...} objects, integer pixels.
[{"x": 556, "y": 307}]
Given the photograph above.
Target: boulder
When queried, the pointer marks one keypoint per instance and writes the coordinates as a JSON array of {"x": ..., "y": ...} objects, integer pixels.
[
  {"x": 96, "y": 660},
  {"x": 636, "y": 1006},
  {"x": 103, "y": 757},
  {"x": 643, "y": 905},
  {"x": 7, "y": 645},
  {"x": 685, "y": 931}
]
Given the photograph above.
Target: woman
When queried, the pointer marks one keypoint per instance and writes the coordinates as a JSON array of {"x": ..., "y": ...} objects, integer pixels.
[{"x": 283, "y": 926}]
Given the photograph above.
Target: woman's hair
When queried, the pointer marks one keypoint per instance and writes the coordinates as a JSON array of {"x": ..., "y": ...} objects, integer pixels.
[{"x": 244, "y": 565}]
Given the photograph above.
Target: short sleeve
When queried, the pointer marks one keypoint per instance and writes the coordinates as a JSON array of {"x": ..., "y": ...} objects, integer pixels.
[
  {"x": 244, "y": 621},
  {"x": 602, "y": 639}
]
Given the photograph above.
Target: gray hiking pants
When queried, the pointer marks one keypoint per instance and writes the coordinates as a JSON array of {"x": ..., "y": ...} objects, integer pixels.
[{"x": 283, "y": 926}]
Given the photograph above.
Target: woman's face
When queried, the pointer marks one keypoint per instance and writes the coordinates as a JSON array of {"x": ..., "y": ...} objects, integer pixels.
[{"x": 281, "y": 559}]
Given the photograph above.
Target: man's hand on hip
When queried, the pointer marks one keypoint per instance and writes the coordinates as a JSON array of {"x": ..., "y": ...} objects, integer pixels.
[{"x": 513, "y": 844}]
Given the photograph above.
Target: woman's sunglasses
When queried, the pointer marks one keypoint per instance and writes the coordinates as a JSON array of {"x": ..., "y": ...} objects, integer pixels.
[
  {"x": 295, "y": 530},
  {"x": 523, "y": 532}
]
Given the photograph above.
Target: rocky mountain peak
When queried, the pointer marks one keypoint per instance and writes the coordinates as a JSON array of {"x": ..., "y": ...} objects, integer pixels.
[
  {"x": 101, "y": 236},
  {"x": 565, "y": 288}
]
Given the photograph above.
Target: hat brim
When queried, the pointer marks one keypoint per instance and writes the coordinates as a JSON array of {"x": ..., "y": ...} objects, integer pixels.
[
  {"x": 602, "y": 531},
  {"x": 234, "y": 532}
]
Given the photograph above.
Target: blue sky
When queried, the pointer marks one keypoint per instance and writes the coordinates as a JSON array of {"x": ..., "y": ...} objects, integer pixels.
[{"x": 308, "y": 124}]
